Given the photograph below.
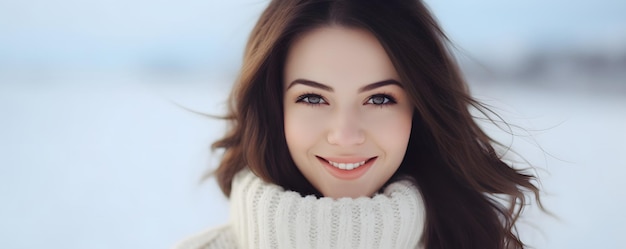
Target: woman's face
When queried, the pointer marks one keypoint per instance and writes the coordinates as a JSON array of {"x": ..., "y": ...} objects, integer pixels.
[{"x": 347, "y": 118}]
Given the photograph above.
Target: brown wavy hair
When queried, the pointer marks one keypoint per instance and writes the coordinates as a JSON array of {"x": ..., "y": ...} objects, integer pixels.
[{"x": 472, "y": 198}]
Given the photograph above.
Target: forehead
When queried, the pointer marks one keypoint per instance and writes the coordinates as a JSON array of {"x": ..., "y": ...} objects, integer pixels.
[{"x": 335, "y": 54}]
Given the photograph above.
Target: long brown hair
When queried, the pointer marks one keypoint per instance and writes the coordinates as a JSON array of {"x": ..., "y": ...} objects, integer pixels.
[{"x": 454, "y": 162}]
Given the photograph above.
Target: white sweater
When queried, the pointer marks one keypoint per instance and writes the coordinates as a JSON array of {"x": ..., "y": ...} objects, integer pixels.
[{"x": 264, "y": 215}]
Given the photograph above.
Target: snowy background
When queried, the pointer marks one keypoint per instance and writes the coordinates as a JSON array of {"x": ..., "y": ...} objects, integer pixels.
[{"x": 98, "y": 151}]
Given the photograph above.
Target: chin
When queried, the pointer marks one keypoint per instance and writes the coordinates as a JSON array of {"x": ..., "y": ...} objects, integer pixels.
[{"x": 353, "y": 195}]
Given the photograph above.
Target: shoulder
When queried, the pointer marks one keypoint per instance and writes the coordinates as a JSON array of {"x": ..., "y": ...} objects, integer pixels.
[{"x": 215, "y": 238}]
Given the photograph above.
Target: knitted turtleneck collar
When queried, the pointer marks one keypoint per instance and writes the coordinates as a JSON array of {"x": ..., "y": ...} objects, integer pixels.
[{"x": 264, "y": 215}]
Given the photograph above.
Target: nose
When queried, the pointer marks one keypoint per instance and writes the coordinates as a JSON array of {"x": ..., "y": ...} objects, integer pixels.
[{"x": 345, "y": 129}]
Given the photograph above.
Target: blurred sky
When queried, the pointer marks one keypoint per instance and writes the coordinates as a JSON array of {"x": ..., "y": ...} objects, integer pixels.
[{"x": 118, "y": 34}]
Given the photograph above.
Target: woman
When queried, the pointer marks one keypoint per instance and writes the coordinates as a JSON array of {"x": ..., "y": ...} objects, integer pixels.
[{"x": 350, "y": 128}]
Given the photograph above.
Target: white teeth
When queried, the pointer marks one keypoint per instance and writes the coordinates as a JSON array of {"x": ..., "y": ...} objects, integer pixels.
[{"x": 347, "y": 166}]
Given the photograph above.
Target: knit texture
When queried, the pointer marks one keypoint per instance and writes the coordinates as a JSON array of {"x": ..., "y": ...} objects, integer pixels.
[{"x": 264, "y": 215}]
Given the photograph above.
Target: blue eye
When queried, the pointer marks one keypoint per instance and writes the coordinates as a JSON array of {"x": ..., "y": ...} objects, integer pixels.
[
  {"x": 381, "y": 99},
  {"x": 313, "y": 99}
]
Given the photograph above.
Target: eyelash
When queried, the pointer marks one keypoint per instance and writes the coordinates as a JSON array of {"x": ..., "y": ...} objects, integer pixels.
[
  {"x": 389, "y": 99},
  {"x": 301, "y": 99}
]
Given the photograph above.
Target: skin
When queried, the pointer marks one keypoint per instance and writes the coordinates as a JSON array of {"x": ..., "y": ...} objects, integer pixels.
[{"x": 343, "y": 103}]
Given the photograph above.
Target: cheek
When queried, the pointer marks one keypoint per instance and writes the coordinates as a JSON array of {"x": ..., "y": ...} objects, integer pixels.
[
  {"x": 400, "y": 133},
  {"x": 392, "y": 130},
  {"x": 302, "y": 129}
]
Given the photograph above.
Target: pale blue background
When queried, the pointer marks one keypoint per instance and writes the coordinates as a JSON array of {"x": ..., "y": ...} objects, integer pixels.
[{"x": 96, "y": 153}]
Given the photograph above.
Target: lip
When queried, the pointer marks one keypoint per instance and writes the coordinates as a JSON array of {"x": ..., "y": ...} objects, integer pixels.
[{"x": 347, "y": 174}]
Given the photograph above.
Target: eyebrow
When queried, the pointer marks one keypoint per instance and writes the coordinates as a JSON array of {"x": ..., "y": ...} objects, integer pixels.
[{"x": 330, "y": 89}]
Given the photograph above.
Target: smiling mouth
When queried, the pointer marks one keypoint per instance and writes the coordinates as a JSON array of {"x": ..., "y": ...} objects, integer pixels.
[{"x": 347, "y": 165}]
